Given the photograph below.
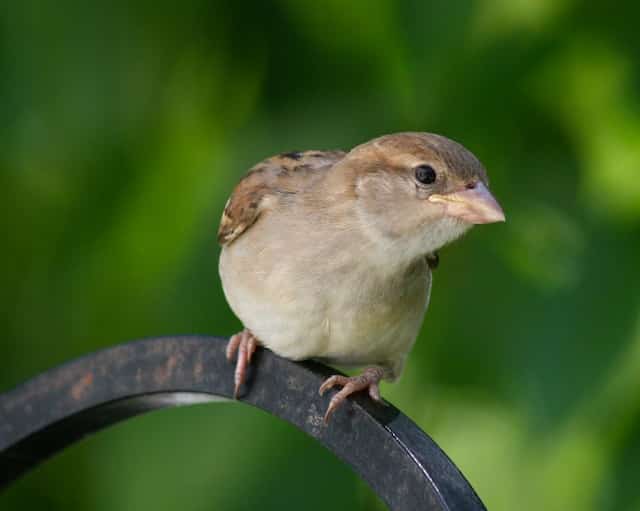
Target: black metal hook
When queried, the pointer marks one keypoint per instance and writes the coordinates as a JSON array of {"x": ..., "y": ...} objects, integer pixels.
[{"x": 61, "y": 406}]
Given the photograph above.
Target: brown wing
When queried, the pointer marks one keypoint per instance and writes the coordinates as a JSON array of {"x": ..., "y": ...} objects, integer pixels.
[{"x": 287, "y": 173}]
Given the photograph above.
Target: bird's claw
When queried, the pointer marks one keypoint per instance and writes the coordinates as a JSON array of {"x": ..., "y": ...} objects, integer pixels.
[
  {"x": 244, "y": 344},
  {"x": 369, "y": 380}
]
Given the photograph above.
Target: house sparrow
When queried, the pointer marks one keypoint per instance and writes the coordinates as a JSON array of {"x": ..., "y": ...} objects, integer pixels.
[{"x": 327, "y": 254}]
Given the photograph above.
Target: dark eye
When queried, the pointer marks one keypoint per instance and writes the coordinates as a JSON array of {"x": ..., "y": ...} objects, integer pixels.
[{"x": 425, "y": 174}]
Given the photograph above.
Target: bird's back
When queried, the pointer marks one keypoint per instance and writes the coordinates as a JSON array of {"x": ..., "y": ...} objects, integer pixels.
[{"x": 268, "y": 181}]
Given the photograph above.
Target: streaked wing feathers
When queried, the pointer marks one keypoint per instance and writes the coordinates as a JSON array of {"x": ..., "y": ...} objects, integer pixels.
[{"x": 287, "y": 173}]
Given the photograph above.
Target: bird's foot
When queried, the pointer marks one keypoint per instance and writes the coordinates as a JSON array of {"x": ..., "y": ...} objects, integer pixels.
[
  {"x": 369, "y": 379},
  {"x": 244, "y": 344}
]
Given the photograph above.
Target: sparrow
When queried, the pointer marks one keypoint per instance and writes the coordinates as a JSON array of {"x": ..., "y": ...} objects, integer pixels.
[{"x": 328, "y": 255}]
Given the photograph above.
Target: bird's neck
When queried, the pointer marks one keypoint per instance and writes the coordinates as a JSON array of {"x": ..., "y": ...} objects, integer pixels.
[{"x": 397, "y": 253}]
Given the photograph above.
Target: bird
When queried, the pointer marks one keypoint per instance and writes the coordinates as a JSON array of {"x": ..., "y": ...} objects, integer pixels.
[{"x": 328, "y": 255}]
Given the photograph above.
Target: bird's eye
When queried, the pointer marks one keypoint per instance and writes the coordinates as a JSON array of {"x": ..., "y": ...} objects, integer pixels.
[{"x": 425, "y": 174}]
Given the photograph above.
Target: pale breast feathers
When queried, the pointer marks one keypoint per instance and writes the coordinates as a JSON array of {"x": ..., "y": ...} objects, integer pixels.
[{"x": 287, "y": 173}]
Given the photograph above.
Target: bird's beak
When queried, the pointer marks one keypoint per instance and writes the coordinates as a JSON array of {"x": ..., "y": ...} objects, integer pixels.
[{"x": 474, "y": 205}]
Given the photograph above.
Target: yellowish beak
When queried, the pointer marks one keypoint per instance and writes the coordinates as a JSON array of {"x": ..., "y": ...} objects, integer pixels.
[{"x": 474, "y": 205}]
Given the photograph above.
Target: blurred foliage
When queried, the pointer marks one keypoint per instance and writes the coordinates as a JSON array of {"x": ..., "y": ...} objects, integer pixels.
[{"x": 123, "y": 127}]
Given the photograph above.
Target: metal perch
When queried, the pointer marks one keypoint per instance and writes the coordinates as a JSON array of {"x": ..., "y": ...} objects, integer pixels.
[{"x": 61, "y": 406}]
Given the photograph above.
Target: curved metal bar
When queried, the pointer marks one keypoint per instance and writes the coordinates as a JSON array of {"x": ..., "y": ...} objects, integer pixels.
[{"x": 397, "y": 459}]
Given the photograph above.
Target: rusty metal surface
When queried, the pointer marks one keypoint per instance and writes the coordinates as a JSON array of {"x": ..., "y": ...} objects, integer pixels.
[{"x": 61, "y": 406}]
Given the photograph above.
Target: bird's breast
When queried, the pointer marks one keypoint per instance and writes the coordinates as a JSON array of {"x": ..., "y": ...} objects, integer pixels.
[
  {"x": 378, "y": 324},
  {"x": 308, "y": 298}
]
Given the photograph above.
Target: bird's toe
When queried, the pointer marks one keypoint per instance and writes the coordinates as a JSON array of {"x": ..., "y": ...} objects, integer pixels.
[
  {"x": 368, "y": 380},
  {"x": 243, "y": 345}
]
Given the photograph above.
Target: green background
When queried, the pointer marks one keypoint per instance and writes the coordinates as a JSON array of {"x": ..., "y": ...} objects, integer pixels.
[{"x": 123, "y": 128}]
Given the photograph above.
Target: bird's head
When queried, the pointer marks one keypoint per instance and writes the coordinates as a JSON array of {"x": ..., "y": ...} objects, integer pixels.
[{"x": 416, "y": 192}]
